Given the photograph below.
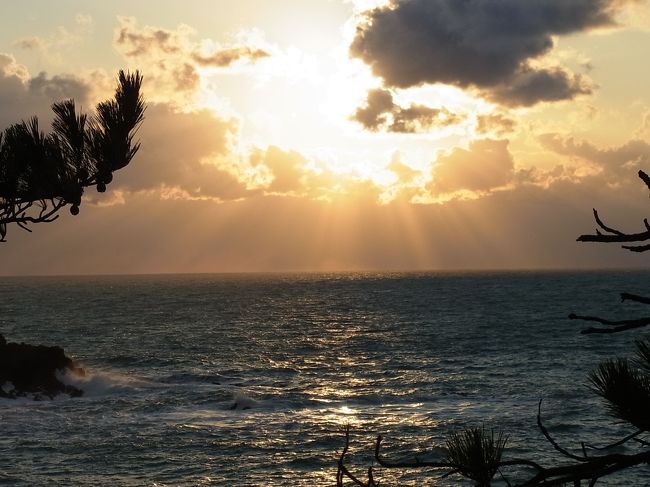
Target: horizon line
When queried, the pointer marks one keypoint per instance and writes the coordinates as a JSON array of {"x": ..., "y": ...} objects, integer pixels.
[{"x": 521, "y": 270}]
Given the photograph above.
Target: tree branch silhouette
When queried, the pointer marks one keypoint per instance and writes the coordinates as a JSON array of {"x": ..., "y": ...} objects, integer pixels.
[
  {"x": 42, "y": 173},
  {"x": 614, "y": 235}
]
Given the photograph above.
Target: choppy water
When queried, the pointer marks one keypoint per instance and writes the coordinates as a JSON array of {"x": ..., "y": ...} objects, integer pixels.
[{"x": 411, "y": 356}]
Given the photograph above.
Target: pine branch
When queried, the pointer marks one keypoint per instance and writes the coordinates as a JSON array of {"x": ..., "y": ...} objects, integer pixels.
[{"x": 50, "y": 171}]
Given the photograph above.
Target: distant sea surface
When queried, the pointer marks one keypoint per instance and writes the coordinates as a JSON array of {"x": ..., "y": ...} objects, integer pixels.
[{"x": 249, "y": 380}]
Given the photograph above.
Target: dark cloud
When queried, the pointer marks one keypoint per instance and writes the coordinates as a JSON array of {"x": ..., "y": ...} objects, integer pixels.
[
  {"x": 22, "y": 96},
  {"x": 485, "y": 165},
  {"x": 58, "y": 87},
  {"x": 531, "y": 86},
  {"x": 486, "y": 44},
  {"x": 381, "y": 113}
]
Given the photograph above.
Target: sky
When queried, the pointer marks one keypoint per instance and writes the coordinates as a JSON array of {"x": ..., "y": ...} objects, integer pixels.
[{"x": 343, "y": 135}]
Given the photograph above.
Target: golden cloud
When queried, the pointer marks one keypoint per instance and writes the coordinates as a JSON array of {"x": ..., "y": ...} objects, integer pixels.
[{"x": 172, "y": 58}]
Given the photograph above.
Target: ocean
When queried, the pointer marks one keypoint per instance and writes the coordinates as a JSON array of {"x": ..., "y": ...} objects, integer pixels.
[{"x": 250, "y": 380}]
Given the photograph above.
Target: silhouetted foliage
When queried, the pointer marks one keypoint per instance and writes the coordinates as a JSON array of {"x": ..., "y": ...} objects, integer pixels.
[
  {"x": 626, "y": 390},
  {"x": 476, "y": 453},
  {"x": 624, "y": 385},
  {"x": 42, "y": 173}
]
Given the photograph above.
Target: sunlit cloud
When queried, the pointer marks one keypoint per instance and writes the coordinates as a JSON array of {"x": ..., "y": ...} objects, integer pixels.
[
  {"x": 616, "y": 163},
  {"x": 385, "y": 145},
  {"x": 174, "y": 60},
  {"x": 495, "y": 123},
  {"x": 485, "y": 165}
]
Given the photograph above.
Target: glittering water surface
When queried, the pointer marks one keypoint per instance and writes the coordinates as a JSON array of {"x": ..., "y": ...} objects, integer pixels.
[{"x": 411, "y": 356}]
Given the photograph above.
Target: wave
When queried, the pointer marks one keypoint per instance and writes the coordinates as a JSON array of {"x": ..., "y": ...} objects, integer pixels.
[
  {"x": 242, "y": 401},
  {"x": 101, "y": 382}
]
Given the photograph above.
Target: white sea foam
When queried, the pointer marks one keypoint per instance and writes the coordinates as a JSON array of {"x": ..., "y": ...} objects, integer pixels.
[
  {"x": 99, "y": 383},
  {"x": 242, "y": 401}
]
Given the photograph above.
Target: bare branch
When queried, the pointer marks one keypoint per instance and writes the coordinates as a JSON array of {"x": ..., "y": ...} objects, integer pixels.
[
  {"x": 616, "y": 326},
  {"x": 637, "y": 248},
  {"x": 618, "y": 237},
  {"x": 604, "y": 227},
  {"x": 550, "y": 439},
  {"x": 343, "y": 470},
  {"x": 644, "y": 177},
  {"x": 618, "y": 443},
  {"x": 614, "y": 235}
]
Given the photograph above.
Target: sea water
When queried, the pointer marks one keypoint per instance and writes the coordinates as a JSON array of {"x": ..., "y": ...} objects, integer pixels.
[{"x": 250, "y": 379}]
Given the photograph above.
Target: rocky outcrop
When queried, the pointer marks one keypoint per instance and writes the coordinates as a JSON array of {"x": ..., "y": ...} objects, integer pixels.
[{"x": 31, "y": 370}]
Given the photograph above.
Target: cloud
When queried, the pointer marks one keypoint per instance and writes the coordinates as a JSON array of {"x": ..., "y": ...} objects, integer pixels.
[
  {"x": 63, "y": 38},
  {"x": 530, "y": 86},
  {"x": 23, "y": 96},
  {"x": 287, "y": 169},
  {"x": 495, "y": 123},
  {"x": 616, "y": 162},
  {"x": 487, "y": 164},
  {"x": 172, "y": 58},
  {"x": 405, "y": 173},
  {"x": 179, "y": 157},
  {"x": 9, "y": 67},
  {"x": 184, "y": 155},
  {"x": 492, "y": 46},
  {"x": 193, "y": 156},
  {"x": 227, "y": 56},
  {"x": 30, "y": 43},
  {"x": 525, "y": 228},
  {"x": 381, "y": 113}
]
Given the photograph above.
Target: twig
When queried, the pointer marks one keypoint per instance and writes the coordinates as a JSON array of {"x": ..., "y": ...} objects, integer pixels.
[{"x": 550, "y": 439}]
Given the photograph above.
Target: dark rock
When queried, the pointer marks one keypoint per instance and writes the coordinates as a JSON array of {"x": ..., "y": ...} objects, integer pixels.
[{"x": 31, "y": 369}]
